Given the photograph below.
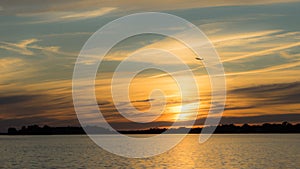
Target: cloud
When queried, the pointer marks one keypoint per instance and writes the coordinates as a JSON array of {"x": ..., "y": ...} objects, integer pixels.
[
  {"x": 181, "y": 50},
  {"x": 21, "y": 47},
  {"x": 48, "y": 17},
  {"x": 244, "y": 41},
  {"x": 40, "y": 104},
  {"x": 87, "y": 14},
  {"x": 130, "y": 5},
  {"x": 238, "y": 107},
  {"x": 66, "y": 34},
  {"x": 49, "y": 98},
  {"x": 270, "y": 98},
  {"x": 13, "y": 71},
  {"x": 55, "y": 106},
  {"x": 268, "y": 69},
  {"x": 24, "y": 43},
  {"x": 16, "y": 99},
  {"x": 263, "y": 52},
  {"x": 269, "y": 89},
  {"x": 241, "y": 36},
  {"x": 51, "y": 104},
  {"x": 75, "y": 10},
  {"x": 27, "y": 47}
]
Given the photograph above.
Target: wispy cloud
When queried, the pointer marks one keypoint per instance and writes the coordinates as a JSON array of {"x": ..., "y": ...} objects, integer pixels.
[
  {"x": 241, "y": 36},
  {"x": 87, "y": 14},
  {"x": 180, "y": 50},
  {"x": 48, "y": 17},
  {"x": 66, "y": 34},
  {"x": 268, "y": 69},
  {"x": 130, "y": 5},
  {"x": 27, "y": 47},
  {"x": 243, "y": 40},
  {"x": 8, "y": 67},
  {"x": 36, "y": 100},
  {"x": 263, "y": 52},
  {"x": 21, "y": 47},
  {"x": 270, "y": 94}
]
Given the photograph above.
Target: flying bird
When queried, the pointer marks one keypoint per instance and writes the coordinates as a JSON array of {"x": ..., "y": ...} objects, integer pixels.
[{"x": 198, "y": 58}]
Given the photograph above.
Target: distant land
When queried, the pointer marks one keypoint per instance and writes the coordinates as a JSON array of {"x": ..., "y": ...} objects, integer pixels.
[{"x": 284, "y": 127}]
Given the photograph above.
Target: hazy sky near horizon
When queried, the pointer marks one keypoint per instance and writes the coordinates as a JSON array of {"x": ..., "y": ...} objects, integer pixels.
[{"x": 258, "y": 43}]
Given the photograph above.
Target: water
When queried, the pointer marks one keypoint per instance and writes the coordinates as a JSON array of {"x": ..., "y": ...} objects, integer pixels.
[{"x": 221, "y": 151}]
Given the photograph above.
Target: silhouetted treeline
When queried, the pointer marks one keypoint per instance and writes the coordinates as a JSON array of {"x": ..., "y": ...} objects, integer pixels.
[
  {"x": 46, "y": 130},
  {"x": 284, "y": 127}
]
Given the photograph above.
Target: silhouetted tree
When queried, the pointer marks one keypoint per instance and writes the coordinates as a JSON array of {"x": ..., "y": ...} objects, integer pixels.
[{"x": 12, "y": 131}]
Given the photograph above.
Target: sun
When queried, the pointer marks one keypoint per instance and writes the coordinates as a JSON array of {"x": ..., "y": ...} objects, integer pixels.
[{"x": 184, "y": 112}]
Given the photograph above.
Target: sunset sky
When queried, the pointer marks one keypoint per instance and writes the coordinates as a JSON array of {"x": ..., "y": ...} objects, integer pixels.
[{"x": 258, "y": 43}]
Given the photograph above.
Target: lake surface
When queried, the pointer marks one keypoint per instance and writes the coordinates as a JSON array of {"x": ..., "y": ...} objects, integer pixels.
[{"x": 221, "y": 151}]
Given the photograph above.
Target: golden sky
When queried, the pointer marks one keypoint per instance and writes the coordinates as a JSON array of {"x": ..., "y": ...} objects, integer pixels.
[{"x": 258, "y": 44}]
